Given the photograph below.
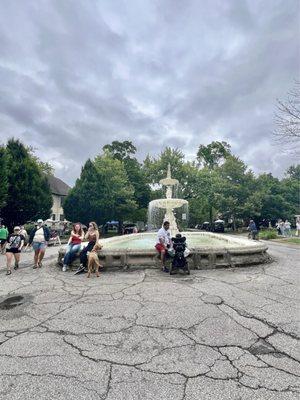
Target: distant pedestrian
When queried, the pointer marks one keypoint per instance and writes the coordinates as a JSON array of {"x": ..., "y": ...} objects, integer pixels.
[
  {"x": 15, "y": 242},
  {"x": 24, "y": 233},
  {"x": 298, "y": 226},
  {"x": 287, "y": 228},
  {"x": 39, "y": 238},
  {"x": 253, "y": 229},
  {"x": 73, "y": 246},
  {"x": 3, "y": 238},
  {"x": 92, "y": 235}
]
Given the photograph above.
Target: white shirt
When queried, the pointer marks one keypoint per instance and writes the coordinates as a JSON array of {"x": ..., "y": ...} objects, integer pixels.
[
  {"x": 39, "y": 235},
  {"x": 164, "y": 235}
]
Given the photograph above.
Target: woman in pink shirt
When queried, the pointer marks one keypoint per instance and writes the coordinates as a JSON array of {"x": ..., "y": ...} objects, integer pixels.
[{"x": 74, "y": 245}]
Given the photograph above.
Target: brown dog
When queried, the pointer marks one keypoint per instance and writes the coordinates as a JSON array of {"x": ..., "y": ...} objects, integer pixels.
[{"x": 93, "y": 261}]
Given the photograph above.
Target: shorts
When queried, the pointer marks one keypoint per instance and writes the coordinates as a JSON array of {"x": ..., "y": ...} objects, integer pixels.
[
  {"x": 14, "y": 251},
  {"x": 39, "y": 246},
  {"x": 160, "y": 247},
  {"x": 3, "y": 241}
]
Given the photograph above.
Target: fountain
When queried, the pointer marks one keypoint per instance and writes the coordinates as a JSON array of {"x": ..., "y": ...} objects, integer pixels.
[
  {"x": 207, "y": 250},
  {"x": 169, "y": 204}
]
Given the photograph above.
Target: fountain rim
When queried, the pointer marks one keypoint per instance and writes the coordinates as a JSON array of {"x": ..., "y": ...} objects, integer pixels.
[{"x": 239, "y": 245}]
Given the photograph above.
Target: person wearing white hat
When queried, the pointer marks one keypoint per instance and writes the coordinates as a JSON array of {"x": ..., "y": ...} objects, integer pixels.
[{"x": 39, "y": 238}]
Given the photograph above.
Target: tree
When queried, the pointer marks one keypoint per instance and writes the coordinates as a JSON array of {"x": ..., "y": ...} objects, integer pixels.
[
  {"x": 29, "y": 195},
  {"x": 287, "y": 118},
  {"x": 124, "y": 152},
  {"x": 213, "y": 154},
  {"x": 44, "y": 167},
  {"x": 120, "y": 150},
  {"x": 3, "y": 177},
  {"x": 156, "y": 168},
  {"x": 102, "y": 193},
  {"x": 235, "y": 186}
]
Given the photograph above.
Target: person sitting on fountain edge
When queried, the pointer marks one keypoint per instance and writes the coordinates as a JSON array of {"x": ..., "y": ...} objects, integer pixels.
[{"x": 164, "y": 242}]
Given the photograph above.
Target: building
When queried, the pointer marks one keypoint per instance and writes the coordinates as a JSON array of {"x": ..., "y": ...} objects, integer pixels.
[{"x": 59, "y": 190}]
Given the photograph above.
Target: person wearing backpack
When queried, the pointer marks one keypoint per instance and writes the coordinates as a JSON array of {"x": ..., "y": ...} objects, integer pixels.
[
  {"x": 39, "y": 238},
  {"x": 15, "y": 242}
]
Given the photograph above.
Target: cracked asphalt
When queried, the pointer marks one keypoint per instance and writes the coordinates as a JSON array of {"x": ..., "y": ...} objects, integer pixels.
[{"x": 216, "y": 334}]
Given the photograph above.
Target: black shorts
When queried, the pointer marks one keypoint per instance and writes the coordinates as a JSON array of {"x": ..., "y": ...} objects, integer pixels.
[
  {"x": 3, "y": 241},
  {"x": 14, "y": 251}
]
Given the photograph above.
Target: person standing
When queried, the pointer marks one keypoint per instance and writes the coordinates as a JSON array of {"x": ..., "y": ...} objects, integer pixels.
[
  {"x": 253, "y": 229},
  {"x": 39, "y": 238},
  {"x": 92, "y": 235},
  {"x": 24, "y": 233},
  {"x": 282, "y": 228},
  {"x": 73, "y": 246},
  {"x": 287, "y": 228},
  {"x": 3, "y": 238},
  {"x": 164, "y": 243},
  {"x": 298, "y": 226},
  {"x": 15, "y": 242}
]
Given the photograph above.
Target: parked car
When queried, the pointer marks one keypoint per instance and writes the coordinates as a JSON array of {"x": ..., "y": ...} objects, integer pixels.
[
  {"x": 130, "y": 228},
  {"x": 218, "y": 226}
]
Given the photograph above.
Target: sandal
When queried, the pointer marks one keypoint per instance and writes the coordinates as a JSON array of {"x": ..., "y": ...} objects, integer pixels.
[
  {"x": 8, "y": 272},
  {"x": 35, "y": 267}
]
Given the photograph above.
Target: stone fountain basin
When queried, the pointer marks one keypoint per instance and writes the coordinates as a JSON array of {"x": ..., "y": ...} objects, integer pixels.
[
  {"x": 168, "y": 203},
  {"x": 208, "y": 250}
]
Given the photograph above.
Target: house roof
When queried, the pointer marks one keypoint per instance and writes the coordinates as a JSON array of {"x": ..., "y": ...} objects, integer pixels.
[{"x": 57, "y": 186}]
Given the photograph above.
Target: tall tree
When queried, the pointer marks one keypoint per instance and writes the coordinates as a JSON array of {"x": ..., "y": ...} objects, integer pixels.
[
  {"x": 120, "y": 150},
  {"x": 124, "y": 152},
  {"x": 213, "y": 154},
  {"x": 156, "y": 167},
  {"x": 3, "y": 177},
  {"x": 29, "y": 195},
  {"x": 102, "y": 192}
]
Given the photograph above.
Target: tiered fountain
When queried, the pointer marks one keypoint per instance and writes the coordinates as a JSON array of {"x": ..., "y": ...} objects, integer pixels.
[
  {"x": 208, "y": 250},
  {"x": 169, "y": 204}
]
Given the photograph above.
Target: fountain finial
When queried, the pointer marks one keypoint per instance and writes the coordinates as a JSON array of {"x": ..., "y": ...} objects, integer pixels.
[
  {"x": 169, "y": 171},
  {"x": 169, "y": 181}
]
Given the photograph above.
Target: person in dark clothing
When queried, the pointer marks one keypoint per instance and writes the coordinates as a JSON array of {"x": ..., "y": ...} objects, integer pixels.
[
  {"x": 92, "y": 235},
  {"x": 15, "y": 242},
  {"x": 253, "y": 229}
]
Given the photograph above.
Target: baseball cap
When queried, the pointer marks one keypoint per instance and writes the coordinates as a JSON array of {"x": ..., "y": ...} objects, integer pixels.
[
  {"x": 39, "y": 221},
  {"x": 16, "y": 228}
]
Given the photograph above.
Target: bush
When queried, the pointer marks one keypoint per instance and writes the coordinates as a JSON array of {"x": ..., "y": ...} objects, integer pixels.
[{"x": 268, "y": 234}]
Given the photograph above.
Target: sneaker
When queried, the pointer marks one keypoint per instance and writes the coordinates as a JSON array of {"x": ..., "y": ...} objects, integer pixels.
[
  {"x": 165, "y": 269},
  {"x": 80, "y": 269},
  {"x": 16, "y": 266},
  {"x": 64, "y": 268}
]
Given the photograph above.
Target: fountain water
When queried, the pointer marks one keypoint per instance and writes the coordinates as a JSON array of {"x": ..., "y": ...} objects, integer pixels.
[{"x": 169, "y": 204}]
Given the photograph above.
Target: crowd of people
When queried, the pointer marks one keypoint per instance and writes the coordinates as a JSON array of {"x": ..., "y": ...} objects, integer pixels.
[{"x": 12, "y": 244}]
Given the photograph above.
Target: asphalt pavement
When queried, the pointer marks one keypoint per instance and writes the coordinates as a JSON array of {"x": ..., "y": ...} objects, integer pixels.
[{"x": 224, "y": 334}]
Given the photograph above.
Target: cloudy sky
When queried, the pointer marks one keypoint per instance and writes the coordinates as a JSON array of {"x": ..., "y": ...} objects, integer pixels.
[{"x": 76, "y": 75}]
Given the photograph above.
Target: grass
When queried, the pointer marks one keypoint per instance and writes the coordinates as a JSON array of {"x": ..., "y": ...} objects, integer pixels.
[{"x": 293, "y": 240}]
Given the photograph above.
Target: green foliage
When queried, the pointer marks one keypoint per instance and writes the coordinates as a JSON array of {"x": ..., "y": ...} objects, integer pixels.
[
  {"x": 124, "y": 151},
  {"x": 120, "y": 150},
  {"x": 102, "y": 193},
  {"x": 156, "y": 168},
  {"x": 29, "y": 195},
  {"x": 3, "y": 177},
  {"x": 44, "y": 167},
  {"x": 268, "y": 234},
  {"x": 211, "y": 155}
]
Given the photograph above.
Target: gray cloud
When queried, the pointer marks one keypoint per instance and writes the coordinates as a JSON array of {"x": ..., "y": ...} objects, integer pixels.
[{"x": 77, "y": 75}]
